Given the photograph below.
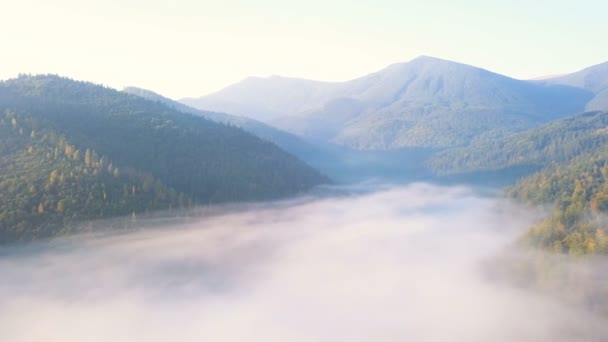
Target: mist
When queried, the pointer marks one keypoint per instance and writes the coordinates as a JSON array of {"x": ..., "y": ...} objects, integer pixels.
[{"x": 397, "y": 264}]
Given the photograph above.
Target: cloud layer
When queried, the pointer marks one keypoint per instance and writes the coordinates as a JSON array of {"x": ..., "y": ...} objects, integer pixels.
[{"x": 401, "y": 264}]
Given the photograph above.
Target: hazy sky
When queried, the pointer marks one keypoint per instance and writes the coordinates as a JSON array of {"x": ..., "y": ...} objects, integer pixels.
[{"x": 192, "y": 47}]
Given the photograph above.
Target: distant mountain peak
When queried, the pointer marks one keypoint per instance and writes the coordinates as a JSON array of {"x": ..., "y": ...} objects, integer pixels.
[
  {"x": 137, "y": 91},
  {"x": 426, "y": 58},
  {"x": 148, "y": 95},
  {"x": 602, "y": 65},
  {"x": 593, "y": 79},
  {"x": 435, "y": 65},
  {"x": 601, "y": 68},
  {"x": 424, "y": 102}
]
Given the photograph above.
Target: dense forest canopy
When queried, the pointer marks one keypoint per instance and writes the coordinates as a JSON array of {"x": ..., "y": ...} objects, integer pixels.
[
  {"x": 579, "y": 192},
  {"x": 74, "y": 150},
  {"x": 303, "y": 149},
  {"x": 557, "y": 142},
  {"x": 573, "y": 156}
]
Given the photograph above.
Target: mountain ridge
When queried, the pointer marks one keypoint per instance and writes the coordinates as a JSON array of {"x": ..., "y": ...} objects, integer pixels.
[
  {"x": 593, "y": 79},
  {"x": 426, "y": 102},
  {"x": 316, "y": 155}
]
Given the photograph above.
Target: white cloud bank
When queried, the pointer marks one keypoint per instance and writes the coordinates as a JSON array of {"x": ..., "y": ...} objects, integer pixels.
[{"x": 396, "y": 265}]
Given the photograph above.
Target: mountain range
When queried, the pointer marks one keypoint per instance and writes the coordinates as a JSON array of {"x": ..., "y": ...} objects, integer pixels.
[
  {"x": 289, "y": 142},
  {"x": 341, "y": 163},
  {"x": 427, "y": 102},
  {"x": 551, "y": 133},
  {"x": 74, "y": 151}
]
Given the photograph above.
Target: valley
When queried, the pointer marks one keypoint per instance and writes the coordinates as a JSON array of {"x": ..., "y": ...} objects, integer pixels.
[
  {"x": 305, "y": 269},
  {"x": 303, "y": 171},
  {"x": 479, "y": 128}
]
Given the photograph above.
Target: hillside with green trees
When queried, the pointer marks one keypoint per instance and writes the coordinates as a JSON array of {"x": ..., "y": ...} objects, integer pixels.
[
  {"x": 579, "y": 193},
  {"x": 73, "y": 151},
  {"x": 576, "y": 194},
  {"x": 313, "y": 154},
  {"x": 48, "y": 184},
  {"x": 557, "y": 142}
]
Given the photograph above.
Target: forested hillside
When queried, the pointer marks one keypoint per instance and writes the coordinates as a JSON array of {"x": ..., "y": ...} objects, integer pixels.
[
  {"x": 73, "y": 150},
  {"x": 579, "y": 192},
  {"x": 306, "y": 151},
  {"x": 556, "y": 142},
  {"x": 48, "y": 184}
]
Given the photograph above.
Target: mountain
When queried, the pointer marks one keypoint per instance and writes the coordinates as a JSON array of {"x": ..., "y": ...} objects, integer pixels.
[
  {"x": 266, "y": 99},
  {"x": 557, "y": 142},
  {"x": 342, "y": 164},
  {"x": 73, "y": 151},
  {"x": 427, "y": 102},
  {"x": 295, "y": 145},
  {"x": 593, "y": 79}
]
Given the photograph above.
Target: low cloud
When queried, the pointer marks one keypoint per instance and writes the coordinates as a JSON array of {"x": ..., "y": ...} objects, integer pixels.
[{"x": 400, "y": 264}]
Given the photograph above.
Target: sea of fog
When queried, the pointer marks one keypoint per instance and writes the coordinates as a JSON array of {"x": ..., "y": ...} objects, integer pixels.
[{"x": 396, "y": 264}]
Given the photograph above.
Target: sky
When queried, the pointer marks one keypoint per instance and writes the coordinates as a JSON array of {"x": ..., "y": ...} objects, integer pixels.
[{"x": 186, "y": 48}]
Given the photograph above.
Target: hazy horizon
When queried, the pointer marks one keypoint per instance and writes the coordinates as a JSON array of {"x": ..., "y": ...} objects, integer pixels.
[
  {"x": 535, "y": 78},
  {"x": 193, "y": 48}
]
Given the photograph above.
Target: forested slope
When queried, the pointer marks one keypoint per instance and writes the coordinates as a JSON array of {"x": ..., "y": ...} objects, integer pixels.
[
  {"x": 72, "y": 151},
  {"x": 291, "y": 143},
  {"x": 579, "y": 193},
  {"x": 554, "y": 143},
  {"x": 48, "y": 184}
]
